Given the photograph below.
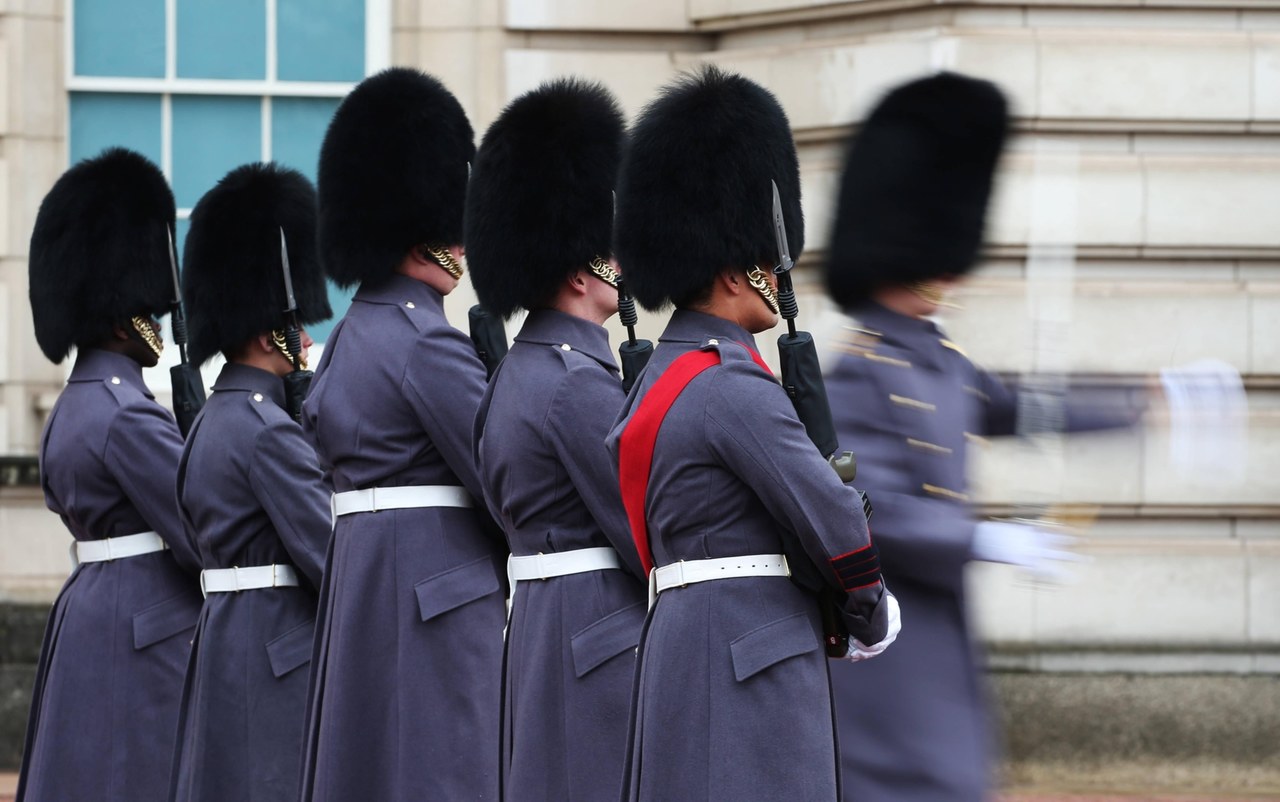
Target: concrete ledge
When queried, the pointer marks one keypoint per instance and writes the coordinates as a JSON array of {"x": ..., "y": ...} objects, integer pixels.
[{"x": 1205, "y": 732}]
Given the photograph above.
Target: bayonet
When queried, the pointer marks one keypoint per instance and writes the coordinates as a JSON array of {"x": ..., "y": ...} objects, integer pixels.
[
  {"x": 780, "y": 233},
  {"x": 298, "y": 382},
  {"x": 188, "y": 389}
]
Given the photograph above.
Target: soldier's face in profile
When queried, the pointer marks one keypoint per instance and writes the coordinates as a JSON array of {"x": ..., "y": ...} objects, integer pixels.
[{"x": 762, "y": 317}]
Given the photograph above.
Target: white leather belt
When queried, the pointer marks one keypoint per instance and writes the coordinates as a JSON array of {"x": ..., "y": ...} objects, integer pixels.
[
  {"x": 562, "y": 563},
  {"x": 374, "y": 499},
  {"x": 689, "y": 572},
  {"x": 116, "y": 548},
  {"x": 234, "y": 580}
]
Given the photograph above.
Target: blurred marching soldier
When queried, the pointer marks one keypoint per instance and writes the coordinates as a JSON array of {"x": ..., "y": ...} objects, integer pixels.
[
  {"x": 538, "y": 228},
  {"x": 727, "y": 496},
  {"x": 912, "y": 208},
  {"x": 407, "y": 677},
  {"x": 251, "y": 493},
  {"x": 109, "y": 680}
]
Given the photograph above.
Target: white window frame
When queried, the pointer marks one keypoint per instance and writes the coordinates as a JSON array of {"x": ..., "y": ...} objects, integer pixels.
[{"x": 377, "y": 56}]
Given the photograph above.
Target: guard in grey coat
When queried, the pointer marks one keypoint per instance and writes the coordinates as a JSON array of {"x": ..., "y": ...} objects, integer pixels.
[
  {"x": 105, "y": 703},
  {"x": 914, "y": 724},
  {"x": 406, "y": 679},
  {"x": 252, "y": 497},
  {"x": 538, "y": 228},
  {"x": 741, "y": 516}
]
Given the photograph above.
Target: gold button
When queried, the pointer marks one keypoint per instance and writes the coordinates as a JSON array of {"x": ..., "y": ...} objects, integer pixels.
[
  {"x": 257, "y": 397},
  {"x": 115, "y": 379},
  {"x": 410, "y": 304},
  {"x": 565, "y": 347}
]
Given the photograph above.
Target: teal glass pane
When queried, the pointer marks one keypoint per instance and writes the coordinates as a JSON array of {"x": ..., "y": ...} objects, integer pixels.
[
  {"x": 102, "y": 120},
  {"x": 211, "y": 135},
  {"x": 297, "y": 129},
  {"x": 222, "y": 39},
  {"x": 180, "y": 236},
  {"x": 320, "y": 40},
  {"x": 119, "y": 38},
  {"x": 339, "y": 300}
]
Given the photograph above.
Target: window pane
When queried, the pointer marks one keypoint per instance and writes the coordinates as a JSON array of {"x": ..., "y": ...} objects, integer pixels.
[
  {"x": 100, "y": 120},
  {"x": 222, "y": 39},
  {"x": 297, "y": 129},
  {"x": 320, "y": 40},
  {"x": 211, "y": 135},
  {"x": 121, "y": 38}
]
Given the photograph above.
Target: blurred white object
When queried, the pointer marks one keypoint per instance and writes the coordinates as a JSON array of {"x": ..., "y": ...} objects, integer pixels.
[
  {"x": 1208, "y": 416},
  {"x": 1042, "y": 552},
  {"x": 858, "y": 651}
]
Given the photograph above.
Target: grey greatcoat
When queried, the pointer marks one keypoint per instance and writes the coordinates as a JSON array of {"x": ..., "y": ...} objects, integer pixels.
[
  {"x": 407, "y": 677},
  {"x": 251, "y": 494},
  {"x": 733, "y": 698},
  {"x": 907, "y": 402},
  {"x": 107, "y": 687},
  {"x": 539, "y": 439}
]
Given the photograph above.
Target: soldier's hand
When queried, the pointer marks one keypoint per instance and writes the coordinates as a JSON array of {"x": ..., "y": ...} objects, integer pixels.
[
  {"x": 1043, "y": 552},
  {"x": 858, "y": 651}
]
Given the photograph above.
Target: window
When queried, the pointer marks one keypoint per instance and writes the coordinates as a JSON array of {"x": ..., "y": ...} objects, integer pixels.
[{"x": 202, "y": 86}]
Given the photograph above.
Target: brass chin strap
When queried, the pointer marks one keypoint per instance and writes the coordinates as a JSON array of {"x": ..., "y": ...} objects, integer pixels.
[
  {"x": 451, "y": 266},
  {"x": 931, "y": 293},
  {"x": 148, "y": 334},
  {"x": 757, "y": 279},
  {"x": 604, "y": 271},
  {"x": 278, "y": 340}
]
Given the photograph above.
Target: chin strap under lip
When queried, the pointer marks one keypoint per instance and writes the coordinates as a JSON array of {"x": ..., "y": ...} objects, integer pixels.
[
  {"x": 148, "y": 334},
  {"x": 756, "y": 278},
  {"x": 446, "y": 260},
  {"x": 601, "y": 269}
]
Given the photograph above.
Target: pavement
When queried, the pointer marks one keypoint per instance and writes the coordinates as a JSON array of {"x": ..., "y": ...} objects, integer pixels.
[{"x": 9, "y": 784}]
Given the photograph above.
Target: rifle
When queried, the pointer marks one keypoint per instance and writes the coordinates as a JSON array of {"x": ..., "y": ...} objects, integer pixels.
[
  {"x": 188, "y": 389},
  {"x": 297, "y": 382},
  {"x": 489, "y": 337},
  {"x": 802, "y": 379},
  {"x": 634, "y": 354}
]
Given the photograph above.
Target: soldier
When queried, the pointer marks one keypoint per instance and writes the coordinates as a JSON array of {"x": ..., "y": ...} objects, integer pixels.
[
  {"x": 912, "y": 207},
  {"x": 100, "y": 276},
  {"x": 538, "y": 227},
  {"x": 407, "y": 677},
  {"x": 251, "y": 494},
  {"x": 727, "y": 496}
]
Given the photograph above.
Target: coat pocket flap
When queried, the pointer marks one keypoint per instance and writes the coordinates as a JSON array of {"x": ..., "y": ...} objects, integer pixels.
[
  {"x": 607, "y": 638},
  {"x": 165, "y": 619},
  {"x": 292, "y": 649},
  {"x": 772, "y": 643},
  {"x": 460, "y": 585}
]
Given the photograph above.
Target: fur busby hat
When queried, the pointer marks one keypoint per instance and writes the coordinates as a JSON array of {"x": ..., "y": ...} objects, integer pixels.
[
  {"x": 693, "y": 189},
  {"x": 232, "y": 279},
  {"x": 393, "y": 174},
  {"x": 913, "y": 200},
  {"x": 540, "y": 203},
  {"x": 100, "y": 251}
]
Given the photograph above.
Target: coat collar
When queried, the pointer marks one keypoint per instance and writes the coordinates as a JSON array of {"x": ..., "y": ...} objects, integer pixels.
[
  {"x": 245, "y": 378},
  {"x": 399, "y": 290},
  {"x": 95, "y": 364},
  {"x": 552, "y": 327},
  {"x": 687, "y": 326},
  {"x": 921, "y": 336}
]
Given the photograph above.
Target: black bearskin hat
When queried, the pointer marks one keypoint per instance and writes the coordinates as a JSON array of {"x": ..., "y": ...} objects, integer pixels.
[
  {"x": 540, "y": 203},
  {"x": 913, "y": 200},
  {"x": 100, "y": 251},
  {"x": 393, "y": 174},
  {"x": 232, "y": 279},
  {"x": 693, "y": 189}
]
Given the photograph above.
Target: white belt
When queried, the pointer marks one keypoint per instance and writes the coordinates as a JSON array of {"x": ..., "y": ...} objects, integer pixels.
[
  {"x": 689, "y": 572},
  {"x": 116, "y": 548},
  {"x": 374, "y": 499},
  {"x": 234, "y": 580},
  {"x": 562, "y": 563}
]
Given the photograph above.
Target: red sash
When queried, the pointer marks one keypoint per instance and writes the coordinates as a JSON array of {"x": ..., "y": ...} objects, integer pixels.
[{"x": 635, "y": 448}]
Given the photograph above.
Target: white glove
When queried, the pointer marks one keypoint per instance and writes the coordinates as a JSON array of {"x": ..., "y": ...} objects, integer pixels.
[
  {"x": 858, "y": 651},
  {"x": 1042, "y": 552}
]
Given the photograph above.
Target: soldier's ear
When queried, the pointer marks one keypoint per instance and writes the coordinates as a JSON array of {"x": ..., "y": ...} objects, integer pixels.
[{"x": 120, "y": 332}]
